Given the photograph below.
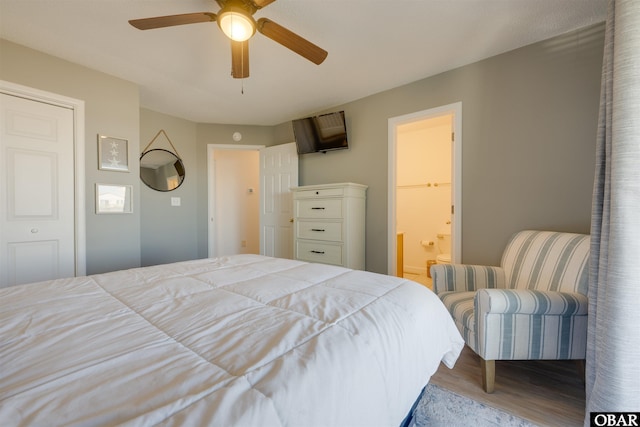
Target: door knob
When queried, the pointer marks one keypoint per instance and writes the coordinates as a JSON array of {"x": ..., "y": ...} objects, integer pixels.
[{"x": 290, "y": 219}]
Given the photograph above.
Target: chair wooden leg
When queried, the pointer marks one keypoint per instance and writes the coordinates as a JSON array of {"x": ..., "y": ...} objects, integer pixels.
[{"x": 488, "y": 368}]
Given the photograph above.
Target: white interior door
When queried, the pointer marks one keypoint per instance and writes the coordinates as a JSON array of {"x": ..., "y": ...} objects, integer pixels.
[
  {"x": 278, "y": 173},
  {"x": 37, "y": 240}
]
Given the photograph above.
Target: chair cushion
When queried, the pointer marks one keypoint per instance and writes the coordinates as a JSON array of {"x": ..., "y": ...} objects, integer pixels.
[{"x": 460, "y": 306}]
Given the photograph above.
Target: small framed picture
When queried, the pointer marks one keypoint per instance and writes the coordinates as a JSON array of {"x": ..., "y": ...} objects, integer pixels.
[
  {"x": 113, "y": 199},
  {"x": 113, "y": 154}
]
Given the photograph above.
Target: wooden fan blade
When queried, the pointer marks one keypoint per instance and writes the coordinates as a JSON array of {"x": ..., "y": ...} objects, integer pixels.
[
  {"x": 292, "y": 41},
  {"x": 262, "y": 3},
  {"x": 240, "y": 59},
  {"x": 171, "y": 20}
]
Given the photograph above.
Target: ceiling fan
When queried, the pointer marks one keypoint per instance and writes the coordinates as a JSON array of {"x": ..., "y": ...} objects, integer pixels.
[{"x": 235, "y": 19}]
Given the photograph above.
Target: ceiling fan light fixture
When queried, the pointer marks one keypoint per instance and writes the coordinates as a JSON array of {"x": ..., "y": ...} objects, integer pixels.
[{"x": 236, "y": 24}]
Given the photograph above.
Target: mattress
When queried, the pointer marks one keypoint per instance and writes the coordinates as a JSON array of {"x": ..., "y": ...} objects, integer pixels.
[{"x": 245, "y": 340}]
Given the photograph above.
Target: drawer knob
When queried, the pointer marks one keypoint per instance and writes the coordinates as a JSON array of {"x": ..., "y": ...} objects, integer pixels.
[
  {"x": 317, "y": 229},
  {"x": 317, "y": 252},
  {"x": 318, "y": 208}
]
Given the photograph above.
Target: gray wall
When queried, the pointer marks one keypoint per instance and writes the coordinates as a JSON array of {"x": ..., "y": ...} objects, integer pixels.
[
  {"x": 111, "y": 108},
  {"x": 169, "y": 233},
  {"x": 529, "y": 123},
  {"x": 529, "y": 127}
]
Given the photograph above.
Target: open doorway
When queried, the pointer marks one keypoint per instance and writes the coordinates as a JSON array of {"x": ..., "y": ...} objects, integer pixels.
[
  {"x": 250, "y": 206},
  {"x": 234, "y": 197},
  {"x": 424, "y": 190}
]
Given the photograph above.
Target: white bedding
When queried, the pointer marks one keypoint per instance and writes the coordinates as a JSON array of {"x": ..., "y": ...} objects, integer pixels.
[{"x": 236, "y": 341}]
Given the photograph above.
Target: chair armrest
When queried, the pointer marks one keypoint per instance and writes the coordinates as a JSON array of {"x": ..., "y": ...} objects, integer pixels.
[
  {"x": 466, "y": 277},
  {"x": 525, "y": 301}
]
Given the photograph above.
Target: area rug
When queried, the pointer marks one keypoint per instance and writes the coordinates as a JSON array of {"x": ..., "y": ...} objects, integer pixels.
[{"x": 439, "y": 407}]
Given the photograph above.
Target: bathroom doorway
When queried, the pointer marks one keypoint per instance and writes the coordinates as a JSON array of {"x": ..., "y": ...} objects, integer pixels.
[{"x": 424, "y": 190}]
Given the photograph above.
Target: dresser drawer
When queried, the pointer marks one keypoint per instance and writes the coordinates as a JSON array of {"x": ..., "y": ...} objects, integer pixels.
[
  {"x": 318, "y": 252},
  {"x": 320, "y": 192},
  {"x": 318, "y": 230},
  {"x": 321, "y": 208}
]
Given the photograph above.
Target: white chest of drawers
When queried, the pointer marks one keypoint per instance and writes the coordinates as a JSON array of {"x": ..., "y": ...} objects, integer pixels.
[{"x": 329, "y": 224}]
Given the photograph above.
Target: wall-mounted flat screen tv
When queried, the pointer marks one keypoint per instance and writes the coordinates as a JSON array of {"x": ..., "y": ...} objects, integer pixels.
[{"x": 321, "y": 133}]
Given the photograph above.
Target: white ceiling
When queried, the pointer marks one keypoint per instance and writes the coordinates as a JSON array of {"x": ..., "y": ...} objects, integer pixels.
[{"x": 373, "y": 45}]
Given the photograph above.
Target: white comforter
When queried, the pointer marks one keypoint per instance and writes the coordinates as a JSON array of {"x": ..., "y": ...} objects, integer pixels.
[{"x": 236, "y": 341}]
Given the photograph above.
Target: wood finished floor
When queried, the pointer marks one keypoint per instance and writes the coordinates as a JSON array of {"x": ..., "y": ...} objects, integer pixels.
[{"x": 547, "y": 393}]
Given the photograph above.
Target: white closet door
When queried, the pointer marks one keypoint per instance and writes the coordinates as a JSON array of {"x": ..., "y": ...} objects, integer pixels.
[
  {"x": 36, "y": 191},
  {"x": 278, "y": 173}
]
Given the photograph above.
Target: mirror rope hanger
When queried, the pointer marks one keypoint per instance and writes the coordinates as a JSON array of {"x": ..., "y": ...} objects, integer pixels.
[{"x": 161, "y": 131}]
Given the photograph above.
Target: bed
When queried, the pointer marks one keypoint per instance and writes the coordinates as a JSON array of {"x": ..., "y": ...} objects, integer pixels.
[{"x": 245, "y": 340}]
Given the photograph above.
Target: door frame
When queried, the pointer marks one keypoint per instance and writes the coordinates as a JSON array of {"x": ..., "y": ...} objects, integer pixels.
[
  {"x": 456, "y": 176},
  {"x": 77, "y": 106},
  {"x": 211, "y": 190}
]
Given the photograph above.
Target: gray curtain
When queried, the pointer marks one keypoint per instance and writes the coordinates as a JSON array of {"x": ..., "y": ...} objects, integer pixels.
[{"x": 613, "y": 346}]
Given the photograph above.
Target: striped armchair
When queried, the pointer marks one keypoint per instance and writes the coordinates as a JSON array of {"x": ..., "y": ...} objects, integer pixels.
[{"x": 534, "y": 306}]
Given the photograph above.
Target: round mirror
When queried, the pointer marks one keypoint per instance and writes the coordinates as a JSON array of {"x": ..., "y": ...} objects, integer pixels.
[{"x": 161, "y": 170}]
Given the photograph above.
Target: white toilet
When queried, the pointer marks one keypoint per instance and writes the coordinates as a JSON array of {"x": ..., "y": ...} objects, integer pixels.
[{"x": 444, "y": 248}]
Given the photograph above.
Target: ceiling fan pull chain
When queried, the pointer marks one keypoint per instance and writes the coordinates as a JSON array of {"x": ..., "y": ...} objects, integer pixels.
[{"x": 242, "y": 79}]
